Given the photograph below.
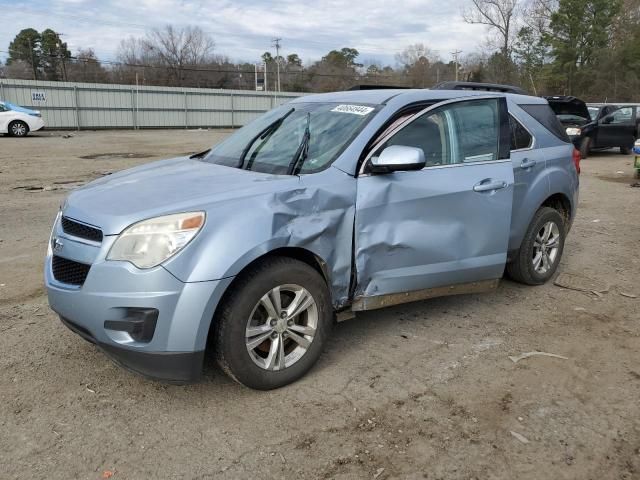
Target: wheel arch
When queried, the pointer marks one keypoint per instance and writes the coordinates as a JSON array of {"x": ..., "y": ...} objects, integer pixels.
[
  {"x": 561, "y": 203},
  {"x": 558, "y": 201},
  {"x": 298, "y": 253}
]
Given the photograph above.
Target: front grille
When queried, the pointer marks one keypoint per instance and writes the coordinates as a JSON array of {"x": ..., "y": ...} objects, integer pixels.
[
  {"x": 68, "y": 271},
  {"x": 81, "y": 230}
]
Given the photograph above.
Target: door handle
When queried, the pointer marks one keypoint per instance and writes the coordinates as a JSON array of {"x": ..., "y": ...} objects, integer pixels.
[
  {"x": 489, "y": 186},
  {"x": 528, "y": 163}
]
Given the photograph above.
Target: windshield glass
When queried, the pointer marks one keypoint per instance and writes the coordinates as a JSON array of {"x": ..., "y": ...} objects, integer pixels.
[
  {"x": 271, "y": 143},
  {"x": 593, "y": 112}
]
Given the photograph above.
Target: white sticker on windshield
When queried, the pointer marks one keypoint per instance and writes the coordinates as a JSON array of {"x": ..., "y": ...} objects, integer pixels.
[{"x": 355, "y": 109}]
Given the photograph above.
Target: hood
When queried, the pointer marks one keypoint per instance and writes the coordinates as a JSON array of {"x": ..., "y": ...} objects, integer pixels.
[
  {"x": 569, "y": 110},
  {"x": 115, "y": 201}
]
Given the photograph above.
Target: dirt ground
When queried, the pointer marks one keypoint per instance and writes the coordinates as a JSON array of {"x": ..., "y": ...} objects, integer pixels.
[{"x": 425, "y": 390}]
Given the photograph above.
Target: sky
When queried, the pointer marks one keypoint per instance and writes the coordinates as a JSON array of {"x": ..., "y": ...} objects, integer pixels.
[{"x": 244, "y": 29}]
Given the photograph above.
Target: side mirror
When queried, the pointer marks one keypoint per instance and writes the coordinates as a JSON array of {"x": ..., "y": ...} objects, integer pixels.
[{"x": 397, "y": 158}]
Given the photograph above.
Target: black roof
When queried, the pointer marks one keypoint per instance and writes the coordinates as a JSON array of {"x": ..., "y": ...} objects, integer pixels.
[{"x": 489, "y": 87}]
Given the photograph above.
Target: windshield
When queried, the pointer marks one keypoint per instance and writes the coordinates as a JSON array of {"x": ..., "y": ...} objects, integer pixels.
[
  {"x": 593, "y": 112},
  {"x": 272, "y": 143}
]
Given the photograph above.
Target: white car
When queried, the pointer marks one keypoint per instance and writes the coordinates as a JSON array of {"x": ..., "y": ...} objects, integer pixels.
[{"x": 19, "y": 121}]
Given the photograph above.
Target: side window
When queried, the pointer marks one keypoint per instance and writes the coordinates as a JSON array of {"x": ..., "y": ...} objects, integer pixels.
[
  {"x": 622, "y": 115},
  {"x": 520, "y": 137},
  {"x": 431, "y": 133},
  {"x": 478, "y": 130},
  {"x": 459, "y": 133}
]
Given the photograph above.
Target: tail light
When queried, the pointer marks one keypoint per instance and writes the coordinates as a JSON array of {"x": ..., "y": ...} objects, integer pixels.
[{"x": 576, "y": 159}]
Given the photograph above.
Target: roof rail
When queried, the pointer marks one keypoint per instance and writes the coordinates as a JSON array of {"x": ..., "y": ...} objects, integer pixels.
[
  {"x": 377, "y": 87},
  {"x": 489, "y": 87}
]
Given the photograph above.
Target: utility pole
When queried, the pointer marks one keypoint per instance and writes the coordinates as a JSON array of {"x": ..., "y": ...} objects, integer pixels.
[
  {"x": 33, "y": 62},
  {"x": 276, "y": 43},
  {"x": 60, "y": 55},
  {"x": 455, "y": 54}
]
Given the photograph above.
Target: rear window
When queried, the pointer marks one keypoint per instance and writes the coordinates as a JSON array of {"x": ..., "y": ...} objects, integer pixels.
[{"x": 545, "y": 115}]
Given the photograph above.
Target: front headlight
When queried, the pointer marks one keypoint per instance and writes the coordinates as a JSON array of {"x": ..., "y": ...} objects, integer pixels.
[
  {"x": 573, "y": 132},
  {"x": 148, "y": 243},
  {"x": 53, "y": 231}
]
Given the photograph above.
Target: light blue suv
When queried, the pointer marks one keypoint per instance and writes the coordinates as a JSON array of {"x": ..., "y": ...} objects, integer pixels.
[{"x": 328, "y": 205}]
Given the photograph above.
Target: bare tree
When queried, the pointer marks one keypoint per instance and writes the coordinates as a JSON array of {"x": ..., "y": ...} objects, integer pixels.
[
  {"x": 500, "y": 16},
  {"x": 17, "y": 69},
  {"x": 412, "y": 54},
  {"x": 179, "y": 49}
]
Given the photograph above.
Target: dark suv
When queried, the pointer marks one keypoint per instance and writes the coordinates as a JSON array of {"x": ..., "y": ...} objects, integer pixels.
[{"x": 596, "y": 127}]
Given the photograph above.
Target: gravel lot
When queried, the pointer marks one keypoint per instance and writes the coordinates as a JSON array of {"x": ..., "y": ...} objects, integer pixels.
[{"x": 425, "y": 390}]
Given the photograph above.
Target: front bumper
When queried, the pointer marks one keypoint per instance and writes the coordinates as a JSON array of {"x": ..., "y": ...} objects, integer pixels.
[
  {"x": 35, "y": 124},
  {"x": 100, "y": 308},
  {"x": 174, "y": 367}
]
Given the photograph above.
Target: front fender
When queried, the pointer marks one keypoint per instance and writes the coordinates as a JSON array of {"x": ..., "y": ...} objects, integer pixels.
[{"x": 316, "y": 215}]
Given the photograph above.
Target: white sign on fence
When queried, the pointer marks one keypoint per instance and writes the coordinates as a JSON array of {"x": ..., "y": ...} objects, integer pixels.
[{"x": 38, "y": 97}]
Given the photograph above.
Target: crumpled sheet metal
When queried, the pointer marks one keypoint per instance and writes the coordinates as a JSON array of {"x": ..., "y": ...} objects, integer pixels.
[
  {"x": 315, "y": 213},
  {"x": 320, "y": 219},
  {"x": 410, "y": 235}
]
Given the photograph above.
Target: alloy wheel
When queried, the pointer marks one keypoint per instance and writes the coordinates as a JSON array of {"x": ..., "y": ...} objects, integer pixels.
[
  {"x": 546, "y": 247},
  {"x": 281, "y": 327},
  {"x": 19, "y": 129}
]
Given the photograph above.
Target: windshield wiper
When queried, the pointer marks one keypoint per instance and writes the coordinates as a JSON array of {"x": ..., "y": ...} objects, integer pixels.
[
  {"x": 303, "y": 150},
  {"x": 201, "y": 154},
  {"x": 269, "y": 129}
]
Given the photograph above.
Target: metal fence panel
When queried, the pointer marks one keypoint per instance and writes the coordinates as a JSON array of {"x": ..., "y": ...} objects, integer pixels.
[{"x": 94, "y": 105}]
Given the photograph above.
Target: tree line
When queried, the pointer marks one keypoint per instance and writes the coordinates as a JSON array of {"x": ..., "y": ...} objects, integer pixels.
[{"x": 587, "y": 48}]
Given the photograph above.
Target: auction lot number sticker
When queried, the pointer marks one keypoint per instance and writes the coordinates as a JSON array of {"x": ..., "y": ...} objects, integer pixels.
[{"x": 355, "y": 109}]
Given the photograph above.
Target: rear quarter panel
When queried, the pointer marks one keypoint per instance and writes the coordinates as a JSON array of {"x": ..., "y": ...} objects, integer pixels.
[{"x": 557, "y": 175}]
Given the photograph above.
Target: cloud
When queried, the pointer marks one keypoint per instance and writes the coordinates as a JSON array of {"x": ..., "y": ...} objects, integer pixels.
[{"x": 243, "y": 29}]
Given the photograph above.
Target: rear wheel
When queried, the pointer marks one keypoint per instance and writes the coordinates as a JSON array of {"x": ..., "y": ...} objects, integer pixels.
[
  {"x": 18, "y": 128},
  {"x": 272, "y": 327},
  {"x": 539, "y": 255},
  {"x": 585, "y": 146}
]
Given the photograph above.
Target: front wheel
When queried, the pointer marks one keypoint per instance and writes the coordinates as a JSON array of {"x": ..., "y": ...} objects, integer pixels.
[
  {"x": 18, "y": 129},
  {"x": 539, "y": 255},
  {"x": 273, "y": 325}
]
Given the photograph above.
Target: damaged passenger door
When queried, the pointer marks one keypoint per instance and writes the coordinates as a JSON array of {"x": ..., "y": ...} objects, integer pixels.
[{"x": 445, "y": 224}]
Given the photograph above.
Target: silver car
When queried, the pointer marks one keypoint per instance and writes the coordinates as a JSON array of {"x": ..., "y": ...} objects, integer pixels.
[{"x": 328, "y": 205}]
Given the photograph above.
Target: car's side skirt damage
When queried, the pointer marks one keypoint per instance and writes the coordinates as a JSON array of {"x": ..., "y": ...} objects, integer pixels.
[{"x": 382, "y": 301}]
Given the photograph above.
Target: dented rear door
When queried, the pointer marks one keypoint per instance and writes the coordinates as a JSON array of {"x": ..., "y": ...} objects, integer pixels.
[{"x": 447, "y": 223}]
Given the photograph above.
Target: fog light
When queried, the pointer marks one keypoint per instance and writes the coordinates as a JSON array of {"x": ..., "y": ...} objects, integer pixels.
[{"x": 139, "y": 323}]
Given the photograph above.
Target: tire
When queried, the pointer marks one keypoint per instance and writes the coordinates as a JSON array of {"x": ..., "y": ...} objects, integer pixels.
[
  {"x": 258, "y": 366},
  {"x": 625, "y": 150},
  {"x": 18, "y": 128},
  {"x": 523, "y": 268},
  {"x": 585, "y": 146}
]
